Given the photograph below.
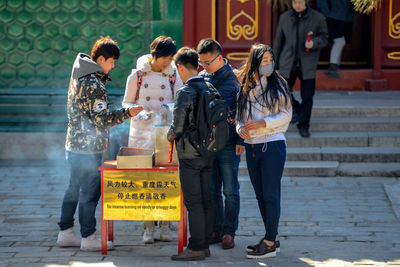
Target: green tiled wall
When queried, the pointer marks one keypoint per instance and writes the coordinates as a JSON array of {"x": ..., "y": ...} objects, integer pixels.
[{"x": 39, "y": 39}]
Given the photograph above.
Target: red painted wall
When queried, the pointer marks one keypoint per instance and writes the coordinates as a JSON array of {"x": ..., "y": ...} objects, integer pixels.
[{"x": 198, "y": 23}]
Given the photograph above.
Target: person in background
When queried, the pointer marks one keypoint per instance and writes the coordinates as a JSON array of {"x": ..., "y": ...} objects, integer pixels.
[
  {"x": 194, "y": 169},
  {"x": 298, "y": 57},
  {"x": 152, "y": 84},
  {"x": 225, "y": 168},
  {"x": 339, "y": 16},
  {"x": 87, "y": 139},
  {"x": 263, "y": 116}
]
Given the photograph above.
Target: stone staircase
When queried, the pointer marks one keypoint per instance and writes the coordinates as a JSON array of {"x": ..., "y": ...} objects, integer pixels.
[{"x": 352, "y": 134}]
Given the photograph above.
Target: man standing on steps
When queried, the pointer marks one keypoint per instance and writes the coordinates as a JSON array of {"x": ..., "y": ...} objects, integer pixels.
[
  {"x": 301, "y": 33},
  {"x": 225, "y": 167}
]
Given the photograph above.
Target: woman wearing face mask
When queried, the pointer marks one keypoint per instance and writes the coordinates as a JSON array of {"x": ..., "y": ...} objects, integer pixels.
[{"x": 263, "y": 116}]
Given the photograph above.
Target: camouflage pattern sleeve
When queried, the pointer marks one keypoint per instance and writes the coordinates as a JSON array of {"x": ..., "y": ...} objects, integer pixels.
[{"x": 94, "y": 104}]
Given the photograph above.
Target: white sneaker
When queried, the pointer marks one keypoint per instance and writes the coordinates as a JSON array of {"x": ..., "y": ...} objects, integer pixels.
[
  {"x": 91, "y": 243},
  {"x": 68, "y": 238},
  {"x": 165, "y": 231},
  {"x": 148, "y": 234}
]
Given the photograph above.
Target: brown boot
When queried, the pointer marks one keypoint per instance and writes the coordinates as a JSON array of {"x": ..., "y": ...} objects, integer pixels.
[
  {"x": 189, "y": 255},
  {"x": 215, "y": 239},
  {"x": 228, "y": 242}
]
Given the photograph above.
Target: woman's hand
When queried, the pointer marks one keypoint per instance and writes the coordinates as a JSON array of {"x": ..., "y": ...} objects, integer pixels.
[
  {"x": 252, "y": 125},
  {"x": 243, "y": 133}
]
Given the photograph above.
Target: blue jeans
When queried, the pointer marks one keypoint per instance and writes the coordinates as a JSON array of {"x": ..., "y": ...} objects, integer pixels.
[
  {"x": 84, "y": 188},
  {"x": 225, "y": 175},
  {"x": 265, "y": 163}
]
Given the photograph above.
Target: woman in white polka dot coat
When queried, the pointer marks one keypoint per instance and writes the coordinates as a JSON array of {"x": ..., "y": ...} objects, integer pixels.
[
  {"x": 158, "y": 74},
  {"x": 157, "y": 77}
]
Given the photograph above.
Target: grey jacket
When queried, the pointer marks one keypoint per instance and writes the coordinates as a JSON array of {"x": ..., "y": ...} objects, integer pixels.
[
  {"x": 285, "y": 42},
  {"x": 337, "y": 9}
]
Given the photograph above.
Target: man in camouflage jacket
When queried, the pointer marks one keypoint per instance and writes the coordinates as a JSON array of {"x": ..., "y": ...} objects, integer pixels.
[
  {"x": 87, "y": 139},
  {"x": 89, "y": 117}
]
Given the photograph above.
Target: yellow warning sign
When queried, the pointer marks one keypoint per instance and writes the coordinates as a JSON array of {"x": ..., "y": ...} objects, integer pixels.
[{"x": 141, "y": 195}]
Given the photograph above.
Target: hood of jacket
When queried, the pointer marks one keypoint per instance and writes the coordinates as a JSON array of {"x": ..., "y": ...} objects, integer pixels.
[
  {"x": 83, "y": 66},
  {"x": 143, "y": 64}
]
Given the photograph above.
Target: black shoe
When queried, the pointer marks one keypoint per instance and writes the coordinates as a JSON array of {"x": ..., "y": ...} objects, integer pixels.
[
  {"x": 255, "y": 247},
  {"x": 332, "y": 71},
  {"x": 189, "y": 255},
  {"x": 251, "y": 248},
  {"x": 278, "y": 246},
  {"x": 304, "y": 132},
  {"x": 263, "y": 251},
  {"x": 207, "y": 252}
]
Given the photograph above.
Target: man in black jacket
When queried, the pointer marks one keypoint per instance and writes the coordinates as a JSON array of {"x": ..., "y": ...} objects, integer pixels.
[
  {"x": 224, "y": 175},
  {"x": 298, "y": 57},
  {"x": 194, "y": 170}
]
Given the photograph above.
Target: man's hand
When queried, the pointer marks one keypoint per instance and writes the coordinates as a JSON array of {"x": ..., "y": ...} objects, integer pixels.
[
  {"x": 309, "y": 44},
  {"x": 252, "y": 125},
  {"x": 133, "y": 111},
  {"x": 239, "y": 149}
]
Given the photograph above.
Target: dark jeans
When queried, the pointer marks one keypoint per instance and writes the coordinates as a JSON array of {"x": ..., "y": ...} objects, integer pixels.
[
  {"x": 84, "y": 187},
  {"x": 225, "y": 175},
  {"x": 307, "y": 91},
  {"x": 195, "y": 176},
  {"x": 265, "y": 163}
]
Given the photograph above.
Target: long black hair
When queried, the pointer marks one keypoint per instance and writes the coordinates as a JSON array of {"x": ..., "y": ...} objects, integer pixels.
[{"x": 250, "y": 77}]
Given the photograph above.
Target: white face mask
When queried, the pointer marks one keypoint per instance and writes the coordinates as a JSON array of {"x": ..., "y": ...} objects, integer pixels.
[{"x": 266, "y": 70}]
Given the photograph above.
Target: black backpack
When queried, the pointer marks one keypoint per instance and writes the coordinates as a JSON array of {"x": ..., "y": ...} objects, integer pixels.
[{"x": 212, "y": 128}]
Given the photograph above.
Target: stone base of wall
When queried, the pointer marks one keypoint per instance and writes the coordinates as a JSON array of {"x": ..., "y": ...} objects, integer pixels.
[{"x": 32, "y": 146}]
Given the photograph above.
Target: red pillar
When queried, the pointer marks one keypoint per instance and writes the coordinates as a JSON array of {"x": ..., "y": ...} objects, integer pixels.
[{"x": 377, "y": 83}]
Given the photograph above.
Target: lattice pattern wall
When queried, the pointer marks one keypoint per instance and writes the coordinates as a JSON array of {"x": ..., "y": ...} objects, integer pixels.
[{"x": 39, "y": 39}]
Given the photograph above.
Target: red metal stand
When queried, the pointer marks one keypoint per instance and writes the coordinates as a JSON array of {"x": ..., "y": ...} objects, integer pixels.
[{"x": 107, "y": 226}]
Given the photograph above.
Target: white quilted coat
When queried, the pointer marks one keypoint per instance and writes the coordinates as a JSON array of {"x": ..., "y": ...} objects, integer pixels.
[{"x": 155, "y": 91}]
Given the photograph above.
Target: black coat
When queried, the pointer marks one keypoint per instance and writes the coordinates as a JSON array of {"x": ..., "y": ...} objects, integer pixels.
[
  {"x": 285, "y": 42},
  {"x": 184, "y": 121}
]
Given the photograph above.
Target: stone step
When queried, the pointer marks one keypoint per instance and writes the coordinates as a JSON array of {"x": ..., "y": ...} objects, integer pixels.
[
  {"x": 361, "y": 169},
  {"x": 334, "y": 168},
  {"x": 352, "y": 125},
  {"x": 303, "y": 168},
  {"x": 345, "y": 154},
  {"x": 342, "y": 154},
  {"x": 355, "y": 111},
  {"x": 344, "y": 139}
]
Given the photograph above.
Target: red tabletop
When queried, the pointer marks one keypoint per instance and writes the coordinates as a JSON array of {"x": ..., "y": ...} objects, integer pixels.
[{"x": 112, "y": 165}]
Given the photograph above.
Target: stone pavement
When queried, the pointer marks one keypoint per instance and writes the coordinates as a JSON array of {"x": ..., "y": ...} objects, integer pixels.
[{"x": 335, "y": 221}]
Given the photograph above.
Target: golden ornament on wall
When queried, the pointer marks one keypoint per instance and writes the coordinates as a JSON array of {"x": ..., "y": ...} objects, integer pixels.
[{"x": 234, "y": 30}]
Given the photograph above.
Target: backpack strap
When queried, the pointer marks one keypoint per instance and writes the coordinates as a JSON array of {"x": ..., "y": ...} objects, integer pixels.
[
  {"x": 139, "y": 74},
  {"x": 199, "y": 101},
  {"x": 223, "y": 78},
  {"x": 172, "y": 80}
]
